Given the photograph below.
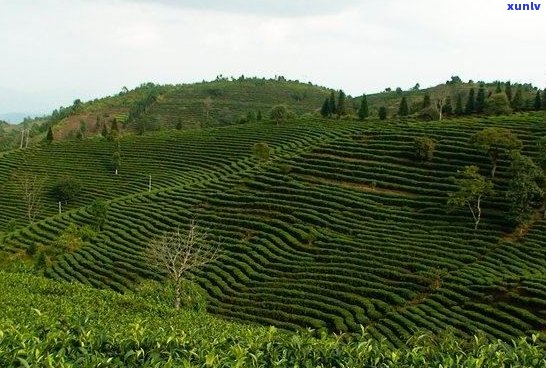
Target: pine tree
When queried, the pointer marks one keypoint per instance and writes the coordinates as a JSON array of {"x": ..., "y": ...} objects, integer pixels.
[
  {"x": 382, "y": 113},
  {"x": 448, "y": 108},
  {"x": 480, "y": 99},
  {"x": 499, "y": 88},
  {"x": 517, "y": 102},
  {"x": 470, "y": 103},
  {"x": 538, "y": 101},
  {"x": 49, "y": 136},
  {"x": 104, "y": 131},
  {"x": 426, "y": 101},
  {"x": 332, "y": 103},
  {"x": 459, "y": 105},
  {"x": 363, "y": 112},
  {"x": 325, "y": 109},
  {"x": 508, "y": 91},
  {"x": 341, "y": 102},
  {"x": 544, "y": 99}
]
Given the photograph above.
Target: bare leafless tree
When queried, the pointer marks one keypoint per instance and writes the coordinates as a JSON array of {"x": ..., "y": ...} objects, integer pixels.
[
  {"x": 178, "y": 252},
  {"x": 31, "y": 188}
]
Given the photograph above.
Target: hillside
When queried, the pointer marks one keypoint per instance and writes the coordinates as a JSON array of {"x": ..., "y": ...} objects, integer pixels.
[
  {"x": 340, "y": 228},
  {"x": 152, "y": 107}
]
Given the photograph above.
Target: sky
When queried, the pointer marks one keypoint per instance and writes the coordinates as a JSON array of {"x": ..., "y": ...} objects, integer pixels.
[{"x": 54, "y": 51}]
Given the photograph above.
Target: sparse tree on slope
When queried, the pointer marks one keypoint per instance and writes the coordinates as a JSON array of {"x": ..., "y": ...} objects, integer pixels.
[
  {"x": 49, "y": 136},
  {"x": 116, "y": 157},
  {"x": 332, "y": 103},
  {"x": 424, "y": 148},
  {"x": 382, "y": 113},
  {"x": 261, "y": 151},
  {"x": 459, "y": 105},
  {"x": 325, "y": 109},
  {"x": 179, "y": 252},
  {"x": 470, "y": 103},
  {"x": 538, "y": 101},
  {"x": 497, "y": 104},
  {"x": 472, "y": 189},
  {"x": 99, "y": 211},
  {"x": 480, "y": 99},
  {"x": 403, "y": 110},
  {"x": 494, "y": 141},
  {"x": 279, "y": 114},
  {"x": 426, "y": 101},
  {"x": 499, "y": 88},
  {"x": 341, "y": 104},
  {"x": 525, "y": 192},
  {"x": 508, "y": 91},
  {"x": 517, "y": 102},
  {"x": 363, "y": 111},
  {"x": 31, "y": 187}
]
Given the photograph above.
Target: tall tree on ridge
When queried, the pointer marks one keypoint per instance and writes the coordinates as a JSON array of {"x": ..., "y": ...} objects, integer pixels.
[
  {"x": 363, "y": 112},
  {"x": 470, "y": 103},
  {"x": 403, "y": 110}
]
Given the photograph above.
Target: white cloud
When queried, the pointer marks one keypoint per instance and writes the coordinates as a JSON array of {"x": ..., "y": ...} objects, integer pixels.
[{"x": 67, "y": 49}]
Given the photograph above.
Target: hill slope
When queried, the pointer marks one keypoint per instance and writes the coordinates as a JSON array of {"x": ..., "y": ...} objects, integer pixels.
[{"x": 339, "y": 229}]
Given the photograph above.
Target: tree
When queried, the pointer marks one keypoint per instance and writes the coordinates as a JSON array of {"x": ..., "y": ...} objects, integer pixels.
[
  {"x": 332, "y": 103},
  {"x": 494, "y": 141},
  {"x": 104, "y": 131},
  {"x": 179, "y": 124},
  {"x": 99, "y": 211},
  {"x": 279, "y": 114},
  {"x": 498, "y": 89},
  {"x": 382, "y": 113},
  {"x": 49, "y": 136},
  {"x": 544, "y": 99},
  {"x": 525, "y": 192},
  {"x": 538, "y": 101},
  {"x": 508, "y": 91},
  {"x": 177, "y": 253},
  {"x": 480, "y": 99},
  {"x": 261, "y": 151},
  {"x": 416, "y": 87},
  {"x": 424, "y": 148},
  {"x": 116, "y": 157},
  {"x": 259, "y": 116},
  {"x": 470, "y": 103},
  {"x": 31, "y": 187},
  {"x": 517, "y": 102},
  {"x": 341, "y": 104},
  {"x": 403, "y": 110},
  {"x": 325, "y": 109},
  {"x": 448, "y": 107},
  {"x": 497, "y": 104},
  {"x": 426, "y": 101},
  {"x": 363, "y": 111},
  {"x": 66, "y": 189},
  {"x": 472, "y": 189},
  {"x": 459, "y": 105}
]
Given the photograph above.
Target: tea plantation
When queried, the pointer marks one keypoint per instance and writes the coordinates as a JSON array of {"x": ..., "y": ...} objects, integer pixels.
[{"x": 340, "y": 229}]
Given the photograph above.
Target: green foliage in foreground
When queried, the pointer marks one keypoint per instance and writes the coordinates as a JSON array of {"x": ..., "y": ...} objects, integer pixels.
[{"x": 50, "y": 324}]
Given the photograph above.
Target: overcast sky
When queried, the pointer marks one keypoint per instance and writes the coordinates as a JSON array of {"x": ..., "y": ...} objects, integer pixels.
[{"x": 54, "y": 51}]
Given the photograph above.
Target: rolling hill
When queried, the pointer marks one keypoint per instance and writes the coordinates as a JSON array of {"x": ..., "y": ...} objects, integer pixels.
[{"x": 340, "y": 228}]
